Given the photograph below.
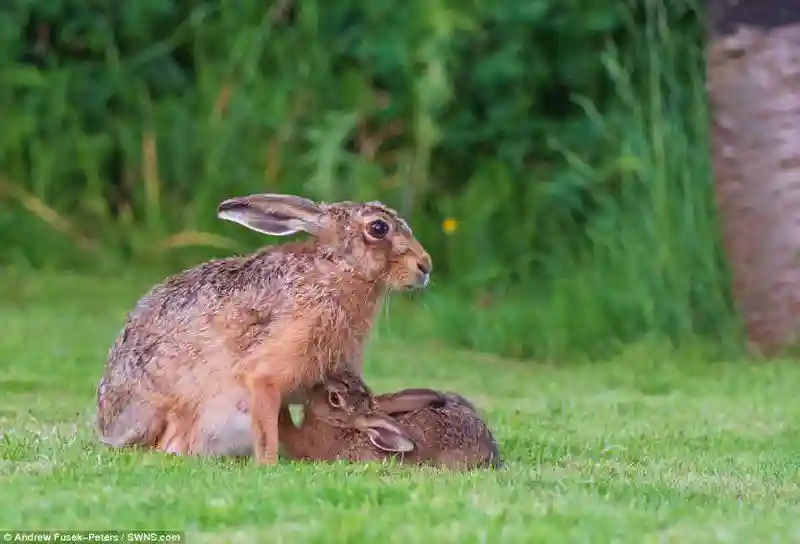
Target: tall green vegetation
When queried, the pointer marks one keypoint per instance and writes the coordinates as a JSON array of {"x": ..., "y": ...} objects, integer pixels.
[{"x": 562, "y": 143}]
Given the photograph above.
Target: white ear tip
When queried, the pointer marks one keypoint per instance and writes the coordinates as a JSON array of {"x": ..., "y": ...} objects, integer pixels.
[{"x": 232, "y": 215}]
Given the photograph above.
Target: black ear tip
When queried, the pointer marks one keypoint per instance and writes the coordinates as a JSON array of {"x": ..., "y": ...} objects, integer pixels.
[{"x": 231, "y": 204}]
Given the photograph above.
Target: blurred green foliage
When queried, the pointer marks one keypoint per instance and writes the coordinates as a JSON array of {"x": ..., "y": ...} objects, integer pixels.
[{"x": 565, "y": 140}]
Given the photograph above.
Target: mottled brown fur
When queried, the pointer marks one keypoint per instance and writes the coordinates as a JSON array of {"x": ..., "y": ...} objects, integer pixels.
[
  {"x": 206, "y": 358},
  {"x": 418, "y": 426}
]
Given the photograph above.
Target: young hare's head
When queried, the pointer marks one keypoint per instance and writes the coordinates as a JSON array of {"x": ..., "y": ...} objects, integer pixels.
[
  {"x": 344, "y": 401},
  {"x": 369, "y": 238}
]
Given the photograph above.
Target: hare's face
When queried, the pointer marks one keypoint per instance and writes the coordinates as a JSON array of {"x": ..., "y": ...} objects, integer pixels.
[
  {"x": 344, "y": 401},
  {"x": 340, "y": 399},
  {"x": 380, "y": 246},
  {"x": 371, "y": 239}
]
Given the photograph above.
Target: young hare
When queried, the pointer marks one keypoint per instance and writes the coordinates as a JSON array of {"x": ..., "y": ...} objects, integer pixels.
[
  {"x": 342, "y": 420},
  {"x": 207, "y": 358}
]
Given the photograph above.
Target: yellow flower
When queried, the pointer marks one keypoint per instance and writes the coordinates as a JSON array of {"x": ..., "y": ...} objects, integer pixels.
[{"x": 449, "y": 225}]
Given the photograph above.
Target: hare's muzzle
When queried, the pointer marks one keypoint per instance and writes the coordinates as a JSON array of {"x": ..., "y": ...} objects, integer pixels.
[
  {"x": 424, "y": 266},
  {"x": 423, "y": 280}
]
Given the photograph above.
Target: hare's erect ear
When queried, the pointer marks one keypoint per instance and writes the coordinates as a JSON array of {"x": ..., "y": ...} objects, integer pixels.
[
  {"x": 409, "y": 400},
  {"x": 333, "y": 382},
  {"x": 345, "y": 381},
  {"x": 385, "y": 434},
  {"x": 278, "y": 215}
]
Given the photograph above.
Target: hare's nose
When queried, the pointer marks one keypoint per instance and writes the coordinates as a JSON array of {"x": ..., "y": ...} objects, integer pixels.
[{"x": 425, "y": 265}]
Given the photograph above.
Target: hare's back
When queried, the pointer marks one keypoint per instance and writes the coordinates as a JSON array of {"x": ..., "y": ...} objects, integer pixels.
[
  {"x": 203, "y": 288},
  {"x": 193, "y": 309},
  {"x": 454, "y": 435}
]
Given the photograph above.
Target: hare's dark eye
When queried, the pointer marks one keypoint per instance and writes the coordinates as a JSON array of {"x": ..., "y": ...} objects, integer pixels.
[
  {"x": 335, "y": 399},
  {"x": 378, "y": 229}
]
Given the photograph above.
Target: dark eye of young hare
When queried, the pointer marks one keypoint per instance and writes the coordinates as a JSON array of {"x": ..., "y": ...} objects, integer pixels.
[{"x": 335, "y": 399}]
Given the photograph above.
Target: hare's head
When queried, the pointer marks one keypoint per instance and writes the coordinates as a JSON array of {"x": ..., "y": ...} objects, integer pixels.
[
  {"x": 343, "y": 400},
  {"x": 369, "y": 238}
]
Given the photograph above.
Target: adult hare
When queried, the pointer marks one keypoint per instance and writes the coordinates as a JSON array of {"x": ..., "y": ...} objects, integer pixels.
[{"x": 207, "y": 358}]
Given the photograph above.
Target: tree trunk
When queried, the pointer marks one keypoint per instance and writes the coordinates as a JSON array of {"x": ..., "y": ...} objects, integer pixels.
[{"x": 754, "y": 95}]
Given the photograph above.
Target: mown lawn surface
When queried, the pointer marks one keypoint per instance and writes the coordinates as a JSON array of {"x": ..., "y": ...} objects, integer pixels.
[{"x": 642, "y": 449}]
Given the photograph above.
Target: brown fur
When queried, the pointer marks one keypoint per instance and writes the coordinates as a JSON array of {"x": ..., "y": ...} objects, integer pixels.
[
  {"x": 207, "y": 358},
  {"x": 434, "y": 428}
]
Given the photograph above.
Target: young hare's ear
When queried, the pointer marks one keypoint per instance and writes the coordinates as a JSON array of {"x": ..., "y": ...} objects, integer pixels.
[
  {"x": 385, "y": 434},
  {"x": 409, "y": 400},
  {"x": 278, "y": 215}
]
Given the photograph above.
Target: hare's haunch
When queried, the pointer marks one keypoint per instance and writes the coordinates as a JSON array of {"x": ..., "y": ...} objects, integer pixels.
[{"x": 207, "y": 358}]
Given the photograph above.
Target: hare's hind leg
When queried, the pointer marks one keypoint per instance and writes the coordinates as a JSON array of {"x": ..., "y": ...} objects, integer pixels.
[
  {"x": 136, "y": 424},
  {"x": 173, "y": 438}
]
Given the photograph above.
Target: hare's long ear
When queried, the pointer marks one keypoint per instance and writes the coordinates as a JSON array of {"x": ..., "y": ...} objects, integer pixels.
[
  {"x": 385, "y": 434},
  {"x": 278, "y": 215},
  {"x": 409, "y": 400}
]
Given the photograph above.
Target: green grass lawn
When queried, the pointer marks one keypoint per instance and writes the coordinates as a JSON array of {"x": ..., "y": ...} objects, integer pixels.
[{"x": 642, "y": 449}]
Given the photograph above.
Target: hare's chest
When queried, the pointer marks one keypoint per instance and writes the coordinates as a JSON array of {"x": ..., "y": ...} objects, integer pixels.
[{"x": 338, "y": 343}]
